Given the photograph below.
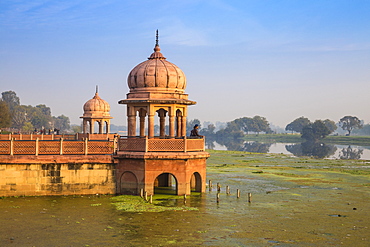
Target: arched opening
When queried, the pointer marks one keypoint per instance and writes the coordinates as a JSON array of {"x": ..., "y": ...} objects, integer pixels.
[
  {"x": 128, "y": 184},
  {"x": 196, "y": 182},
  {"x": 165, "y": 183}
]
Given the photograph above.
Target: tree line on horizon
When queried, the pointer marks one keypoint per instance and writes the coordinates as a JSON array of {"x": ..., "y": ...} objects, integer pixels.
[
  {"x": 27, "y": 118},
  {"x": 310, "y": 131}
]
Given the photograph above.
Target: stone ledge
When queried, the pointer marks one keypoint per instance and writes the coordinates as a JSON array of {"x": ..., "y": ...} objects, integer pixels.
[
  {"x": 161, "y": 155},
  {"x": 45, "y": 159}
]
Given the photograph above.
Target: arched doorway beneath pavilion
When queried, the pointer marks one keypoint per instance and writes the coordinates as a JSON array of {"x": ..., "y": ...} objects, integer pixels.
[
  {"x": 128, "y": 184},
  {"x": 165, "y": 183},
  {"x": 196, "y": 182}
]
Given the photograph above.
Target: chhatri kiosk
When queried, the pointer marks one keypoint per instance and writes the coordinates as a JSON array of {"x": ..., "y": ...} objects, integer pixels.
[{"x": 172, "y": 160}]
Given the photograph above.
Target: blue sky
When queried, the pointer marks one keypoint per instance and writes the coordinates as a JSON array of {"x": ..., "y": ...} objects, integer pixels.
[{"x": 277, "y": 59}]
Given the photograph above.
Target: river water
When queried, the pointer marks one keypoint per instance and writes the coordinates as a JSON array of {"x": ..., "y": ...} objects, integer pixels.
[{"x": 334, "y": 152}]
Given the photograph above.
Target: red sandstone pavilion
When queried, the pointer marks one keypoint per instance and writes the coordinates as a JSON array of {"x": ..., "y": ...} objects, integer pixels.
[{"x": 102, "y": 163}]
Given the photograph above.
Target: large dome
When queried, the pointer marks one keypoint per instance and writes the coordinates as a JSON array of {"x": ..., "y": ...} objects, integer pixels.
[
  {"x": 96, "y": 107},
  {"x": 157, "y": 74}
]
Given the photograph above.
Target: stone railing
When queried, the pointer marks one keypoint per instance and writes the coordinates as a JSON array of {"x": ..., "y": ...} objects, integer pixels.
[
  {"x": 77, "y": 136},
  {"x": 55, "y": 147},
  {"x": 137, "y": 144}
]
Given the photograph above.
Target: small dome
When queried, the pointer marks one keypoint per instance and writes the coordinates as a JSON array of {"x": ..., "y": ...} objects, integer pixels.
[
  {"x": 96, "y": 106},
  {"x": 156, "y": 74}
]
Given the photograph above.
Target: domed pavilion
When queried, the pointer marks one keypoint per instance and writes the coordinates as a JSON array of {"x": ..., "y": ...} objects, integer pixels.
[
  {"x": 96, "y": 110},
  {"x": 157, "y": 86},
  {"x": 169, "y": 160}
]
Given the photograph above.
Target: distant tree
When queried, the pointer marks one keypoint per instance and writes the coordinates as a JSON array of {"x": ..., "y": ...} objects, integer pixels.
[
  {"x": 365, "y": 130},
  {"x": 330, "y": 124},
  {"x": 350, "y": 123},
  {"x": 298, "y": 124},
  {"x": 61, "y": 122},
  {"x": 261, "y": 124},
  {"x": 190, "y": 125},
  {"x": 232, "y": 131},
  {"x": 76, "y": 128},
  {"x": 44, "y": 109},
  {"x": 315, "y": 131},
  {"x": 27, "y": 127},
  {"x": 11, "y": 98},
  {"x": 245, "y": 124},
  {"x": 5, "y": 118},
  {"x": 209, "y": 131},
  {"x": 20, "y": 115}
]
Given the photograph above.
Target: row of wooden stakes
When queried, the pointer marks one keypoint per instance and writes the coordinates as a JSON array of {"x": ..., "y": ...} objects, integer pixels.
[{"x": 210, "y": 186}]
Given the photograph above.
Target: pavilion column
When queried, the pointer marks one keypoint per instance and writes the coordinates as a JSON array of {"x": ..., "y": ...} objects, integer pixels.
[
  {"x": 162, "y": 124},
  {"x": 183, "y": 126},
  {"x": 142, "y": 126},
  {"x": 91, "y": 126},
  {"x": 171, "y": 126},
  {"x": 178, "y": 123},
  {"x": 131, "y": 125},
  {"x": 151, "y": 126},
  {"x": 84, "y": 126},
  {"x": 107, "y": 128},
  {"x": 101, "y": 126}
]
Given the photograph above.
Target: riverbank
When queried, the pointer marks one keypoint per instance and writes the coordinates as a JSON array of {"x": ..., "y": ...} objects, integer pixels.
[{"x": 296, "y": 138}]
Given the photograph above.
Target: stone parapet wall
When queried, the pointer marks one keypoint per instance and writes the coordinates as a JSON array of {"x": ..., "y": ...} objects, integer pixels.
[{"x": 28, "y": 175}]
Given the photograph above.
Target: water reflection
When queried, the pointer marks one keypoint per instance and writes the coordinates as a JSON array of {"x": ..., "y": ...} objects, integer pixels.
[
  {"x": 350, "y": 153},
  {"x": 312, "y": 149},
  {"x": 241, "y": 145}
]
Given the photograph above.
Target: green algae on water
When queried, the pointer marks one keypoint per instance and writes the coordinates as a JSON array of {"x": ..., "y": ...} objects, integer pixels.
[{"x": 129, "y": 203}]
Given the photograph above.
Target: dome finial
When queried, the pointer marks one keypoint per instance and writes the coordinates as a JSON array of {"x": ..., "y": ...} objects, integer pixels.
[
  {"x": 96, "y": 89},
  {"x": 156, "y": 54},
  {"x": 156, "y": 39}
]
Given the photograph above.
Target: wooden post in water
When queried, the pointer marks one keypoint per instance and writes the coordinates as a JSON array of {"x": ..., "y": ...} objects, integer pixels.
[
  {"x": 141, "y": 192},
  {"x": 237, "y": 193},
  {"x": 146, "y": 196},
  {"x": 249, "y": 197},
  {"x": 218, "y": 197},
  {"x": 227, "y": 190},
  {"x": 184, "y": 198},
  {"x": 151, "y": 199},
  {"x": 218, "y": 187}
]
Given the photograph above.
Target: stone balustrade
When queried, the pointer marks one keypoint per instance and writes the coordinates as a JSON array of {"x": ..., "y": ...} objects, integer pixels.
[
  {"x": 160, "y": 145},
  {"x": 56, "y": 147}
]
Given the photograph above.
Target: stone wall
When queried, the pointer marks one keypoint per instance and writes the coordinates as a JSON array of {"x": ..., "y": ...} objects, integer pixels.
[{"x": 56, "y": 175}]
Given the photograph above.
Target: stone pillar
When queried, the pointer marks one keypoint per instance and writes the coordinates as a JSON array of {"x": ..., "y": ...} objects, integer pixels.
[
  {"x": 131, "y": 125},
  {"x": 107, "y": 128},
  {"x": 183, "y": 126},
  {"x": 162, "y": 123},
  {"x": 84, "y": 126},
  {"x": 151, "y": 126},
  {"x": 171, "y": 126},
  {"x": 142, "y": 126},
  {"x": 101, "y": 122},
  {"x": 91, "y": 126},
  {"x": 178, "y": 123}
]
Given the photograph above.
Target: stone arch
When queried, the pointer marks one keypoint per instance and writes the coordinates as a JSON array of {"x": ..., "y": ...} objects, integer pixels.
[
  {"x": 165, "y": 183},
  {"x": 128, "y": 184},
  {"x": 196, "y": 182}
]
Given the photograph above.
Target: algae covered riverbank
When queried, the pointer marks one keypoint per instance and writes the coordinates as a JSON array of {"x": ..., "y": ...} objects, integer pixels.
[{"x": 295, "y": 202}]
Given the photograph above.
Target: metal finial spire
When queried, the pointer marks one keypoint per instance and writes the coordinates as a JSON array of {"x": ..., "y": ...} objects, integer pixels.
[
  {"x": 96, "y": 89},
  {"x": 156, "y": 40}
]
